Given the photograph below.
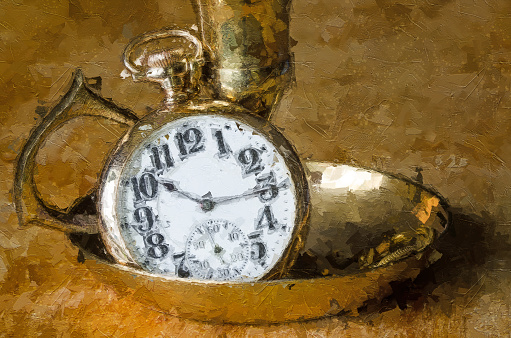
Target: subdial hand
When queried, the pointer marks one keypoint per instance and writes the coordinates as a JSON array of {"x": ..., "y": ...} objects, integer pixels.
[
  {"x": 217, "y": 249},
  {"x": 172, "y": 187},
  {"x": 273, "y": 189}
]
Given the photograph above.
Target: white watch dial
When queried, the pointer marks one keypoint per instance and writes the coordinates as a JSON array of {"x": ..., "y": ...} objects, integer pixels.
[{"x": 206, "y": 197}]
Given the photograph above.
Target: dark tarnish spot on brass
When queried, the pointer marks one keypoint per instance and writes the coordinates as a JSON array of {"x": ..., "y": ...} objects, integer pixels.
[
  {"x": 335, "y": 308},
  {"x": 80, "y": 257}
]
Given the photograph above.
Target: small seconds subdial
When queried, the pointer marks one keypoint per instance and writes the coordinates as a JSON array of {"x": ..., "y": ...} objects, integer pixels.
[{"x": 218, "y": 250}]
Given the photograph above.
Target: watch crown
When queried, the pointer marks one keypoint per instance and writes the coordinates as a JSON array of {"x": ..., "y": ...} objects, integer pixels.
[{"x": 177, "y": 68}]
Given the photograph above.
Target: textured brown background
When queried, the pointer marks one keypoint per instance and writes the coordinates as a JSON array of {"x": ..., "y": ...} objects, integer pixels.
[{"x": 392, "y": 85}]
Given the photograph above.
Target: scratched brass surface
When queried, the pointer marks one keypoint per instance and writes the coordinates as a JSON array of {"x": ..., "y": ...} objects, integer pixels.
[{"x": 389, "y": 85}]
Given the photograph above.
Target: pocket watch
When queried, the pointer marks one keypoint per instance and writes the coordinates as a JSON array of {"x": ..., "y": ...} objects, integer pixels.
[{"x": 200, "y": 189}]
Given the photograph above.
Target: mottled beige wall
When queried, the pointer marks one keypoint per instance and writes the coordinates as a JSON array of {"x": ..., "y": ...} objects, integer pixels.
[{"x": 392, "y": 85}]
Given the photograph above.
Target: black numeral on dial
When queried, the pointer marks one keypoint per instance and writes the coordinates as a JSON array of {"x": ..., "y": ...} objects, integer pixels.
[
  {"x": 145, "y": 188},
  {"x": 267, "y": 181},
  {"x": 144, "y": 218},
  {"x": 223, "y": 272},
  {"x": 257, "y": 251},
  {"x": 199, "y": 245},
  {"x": 222, "y": 146},
  {"x": 266, "y": 219},
  {"x": 202, "y": 264},
  {"x": 212, "y": 229},
  {"x": 157, "y": 159},
  {"x": 250, "y": 160},
  {"x": 234, "y": 236},
  {"x": 157, "y": 249},
  {"x": 235, "y": 257},
  {"x": 189, "y": 142},
  {"x": 182, "y": 269}
]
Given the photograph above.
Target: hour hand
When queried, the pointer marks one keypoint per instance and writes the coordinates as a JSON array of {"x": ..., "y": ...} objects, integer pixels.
[{"x": 172, "y": 187}]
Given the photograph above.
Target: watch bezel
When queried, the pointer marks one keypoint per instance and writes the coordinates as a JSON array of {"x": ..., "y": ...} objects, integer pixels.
[{"x": 108, "y": 221}]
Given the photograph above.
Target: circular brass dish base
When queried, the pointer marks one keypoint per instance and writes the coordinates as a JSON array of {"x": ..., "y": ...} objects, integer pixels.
[
  {"x": 260, "y": 302},
  {"x": 367, "y": 229}
]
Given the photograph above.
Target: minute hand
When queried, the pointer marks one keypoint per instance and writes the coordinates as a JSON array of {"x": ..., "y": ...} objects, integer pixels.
[{"x": 248, "y": 193}]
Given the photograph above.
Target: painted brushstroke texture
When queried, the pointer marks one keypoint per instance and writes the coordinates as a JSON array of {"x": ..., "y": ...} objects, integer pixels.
[{"x": 392, "y": 85}]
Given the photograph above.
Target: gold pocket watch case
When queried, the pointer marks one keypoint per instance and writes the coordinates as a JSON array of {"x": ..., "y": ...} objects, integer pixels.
[{"x": 201, "y": 189}]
